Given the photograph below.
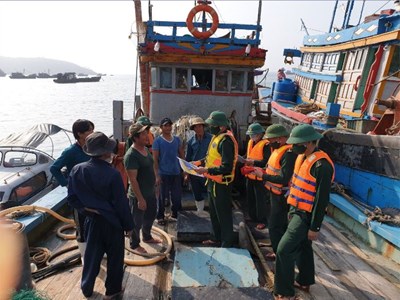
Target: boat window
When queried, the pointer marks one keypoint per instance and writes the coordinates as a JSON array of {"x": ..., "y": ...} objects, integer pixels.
[
  {"x": 1, "y": 158},
  {"x": 221, "y": 80},
  {"x": 153, "y": 77},
  {"x": 250, "y": 81},
  {"x": 395, "y": 63},
  {"x": 19, "y": 159},
  {"x": 202, "y": 79},
  {"x": 237, "y": 81},
  {"x": 166, "y": 78},
  {"x": 43, "y": 159},
  {"x": 181, "y": 79},
  {"x": 29, "y": 188}
]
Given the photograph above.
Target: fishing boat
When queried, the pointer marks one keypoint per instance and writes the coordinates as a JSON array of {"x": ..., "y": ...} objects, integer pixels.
[
  {"x": 24, "y": 169},
  {"x": 19, "y": 75},
  {"x": 70, "y": 77},
  {"x": 195, "y": 69},
  {"x": 347, "y": 85},
  {"x": 187, "y": 269}
]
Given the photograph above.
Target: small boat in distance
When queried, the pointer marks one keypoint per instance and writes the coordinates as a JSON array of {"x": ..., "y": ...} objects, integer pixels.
[
  {"x": 19, "y": 75},
  {"x": 70, "y": 77}
]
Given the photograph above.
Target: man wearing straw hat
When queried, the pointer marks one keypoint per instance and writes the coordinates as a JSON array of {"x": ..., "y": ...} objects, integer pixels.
[
  {"x": 197, "y": 147},
  {"x": 96, "y": 189}
]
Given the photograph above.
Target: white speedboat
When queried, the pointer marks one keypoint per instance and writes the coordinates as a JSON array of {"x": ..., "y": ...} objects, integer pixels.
[{"x": 25, "y": 170}]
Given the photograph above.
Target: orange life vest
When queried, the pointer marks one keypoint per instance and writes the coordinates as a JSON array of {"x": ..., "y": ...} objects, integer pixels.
[
  {"x": 214, "y": 158},
  {"x": 274, "y": 168},
  {"x": 303, "y": 187},
  {"x": 255, "y": 152}
]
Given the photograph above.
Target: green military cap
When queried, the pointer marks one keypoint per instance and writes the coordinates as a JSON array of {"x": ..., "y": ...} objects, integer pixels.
[
  {"x": 144, "y": 121},
  {"x": 276, "y": 130},
  {"x": 217, "y": 118},
  {"x": 303, "y": 133},
  {"x": 255, "y": 128}
]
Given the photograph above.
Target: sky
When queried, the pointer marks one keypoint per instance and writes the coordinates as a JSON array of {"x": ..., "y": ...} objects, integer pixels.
[{"x": 94, "y": 34}]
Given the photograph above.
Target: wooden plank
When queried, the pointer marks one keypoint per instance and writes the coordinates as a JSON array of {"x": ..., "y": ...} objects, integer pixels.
[
  {"x": 329, "y": 285},
  {"x": 319, "y": 251},
  {"x": 370, "y": 285},
  {"x": 363, "y": 256}
]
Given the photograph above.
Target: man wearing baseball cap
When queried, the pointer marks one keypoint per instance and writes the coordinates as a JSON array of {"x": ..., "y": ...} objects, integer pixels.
[
  {"x": 96, "y": 189},
  {"x": 139, "y": 165}
]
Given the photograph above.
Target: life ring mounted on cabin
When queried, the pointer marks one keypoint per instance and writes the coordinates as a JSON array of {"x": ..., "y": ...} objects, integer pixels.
[{"x": 202, "y": 35}]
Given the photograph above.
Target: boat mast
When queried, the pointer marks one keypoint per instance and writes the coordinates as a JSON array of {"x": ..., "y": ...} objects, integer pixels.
[
  {"x": 333, "y": 16},
  {"x": 144, "y": 78},
  {"x": 349, "y": 8}
]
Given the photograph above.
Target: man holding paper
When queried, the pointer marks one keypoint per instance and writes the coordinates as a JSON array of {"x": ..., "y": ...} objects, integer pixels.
[
  {"x": 197, "y": 147},
  {"x": 220, "y": 172}
]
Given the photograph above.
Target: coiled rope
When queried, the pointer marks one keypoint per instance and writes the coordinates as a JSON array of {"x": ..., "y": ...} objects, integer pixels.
[{"x": 154, "y": 257}]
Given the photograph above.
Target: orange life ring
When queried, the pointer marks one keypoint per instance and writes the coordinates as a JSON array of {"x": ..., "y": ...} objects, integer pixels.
[{"x": 193, "y": 30}]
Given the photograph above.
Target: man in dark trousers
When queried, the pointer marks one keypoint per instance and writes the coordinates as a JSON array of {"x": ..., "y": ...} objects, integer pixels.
[
  {"x": 197, "y": 147},
  {"x": 220, "y": 172},
  {"x": 308, "y": 199},
  {"x": 279, "y": 171},
  {"x": 258, "y": 152},
  {"x": 96, "y": 189},
  {"x": 139, "y": 165}
]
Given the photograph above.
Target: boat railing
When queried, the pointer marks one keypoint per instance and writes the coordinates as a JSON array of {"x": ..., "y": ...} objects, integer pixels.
[{"x": 231, "y": 40}]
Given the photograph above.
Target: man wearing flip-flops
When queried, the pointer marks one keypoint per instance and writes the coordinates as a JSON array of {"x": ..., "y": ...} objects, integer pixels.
[
  {"x": 139, "y": 165},
  {"x": 220, "y": 171},
  {"x": 308, "y": 199}
]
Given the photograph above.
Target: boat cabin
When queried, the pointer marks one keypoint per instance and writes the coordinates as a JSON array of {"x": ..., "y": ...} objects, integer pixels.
[
  {"x": 352, "y": 67},
  {"x": 191, "y": 71}
]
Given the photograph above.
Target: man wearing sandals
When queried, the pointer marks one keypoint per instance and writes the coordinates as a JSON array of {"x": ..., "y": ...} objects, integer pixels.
[
  {"x": 308, "y": 199},
  {"x": 139, "y": 166},
  {"x": 279, "y": 171},
  {"x": 220, "y": 171},
  {"x": 258, "y": 152},
  {"x": 96, "y": 189}
]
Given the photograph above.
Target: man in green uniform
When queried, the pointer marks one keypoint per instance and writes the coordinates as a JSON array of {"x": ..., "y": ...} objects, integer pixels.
[
  {"x": 220, "y": 171},
  {"x": 308, "y": 199},
  {"x": 279, "y": 171},
  {"x": 258, "y": 153}
]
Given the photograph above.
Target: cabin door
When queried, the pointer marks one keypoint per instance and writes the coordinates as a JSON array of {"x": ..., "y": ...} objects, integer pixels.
[{"x": 351, "y": 84}]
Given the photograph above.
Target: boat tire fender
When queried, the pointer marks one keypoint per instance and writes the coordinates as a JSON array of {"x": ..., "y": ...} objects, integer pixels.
[{"x": 193, "y": 30}]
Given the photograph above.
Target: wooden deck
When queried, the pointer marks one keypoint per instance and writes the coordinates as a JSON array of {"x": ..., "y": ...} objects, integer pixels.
[{"x": 345, "y": 269}]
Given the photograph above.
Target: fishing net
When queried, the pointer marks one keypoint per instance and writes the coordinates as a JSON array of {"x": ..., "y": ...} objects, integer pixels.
[{"x": 30, "y": 295}]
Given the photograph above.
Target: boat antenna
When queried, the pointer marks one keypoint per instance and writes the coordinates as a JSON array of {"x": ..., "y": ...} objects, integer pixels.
[
  {"x": 304, "y": 26},
  {"x": 259, "y": 13},
  {"x": 150, "y": 11},
  {"x": 333, "y": 16}
]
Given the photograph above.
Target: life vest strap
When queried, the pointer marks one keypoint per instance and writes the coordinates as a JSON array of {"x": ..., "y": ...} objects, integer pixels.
[{"x": 313, "y": 183}]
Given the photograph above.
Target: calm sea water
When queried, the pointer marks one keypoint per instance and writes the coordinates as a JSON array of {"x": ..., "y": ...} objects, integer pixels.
[{"x": 27, "y": 102}]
